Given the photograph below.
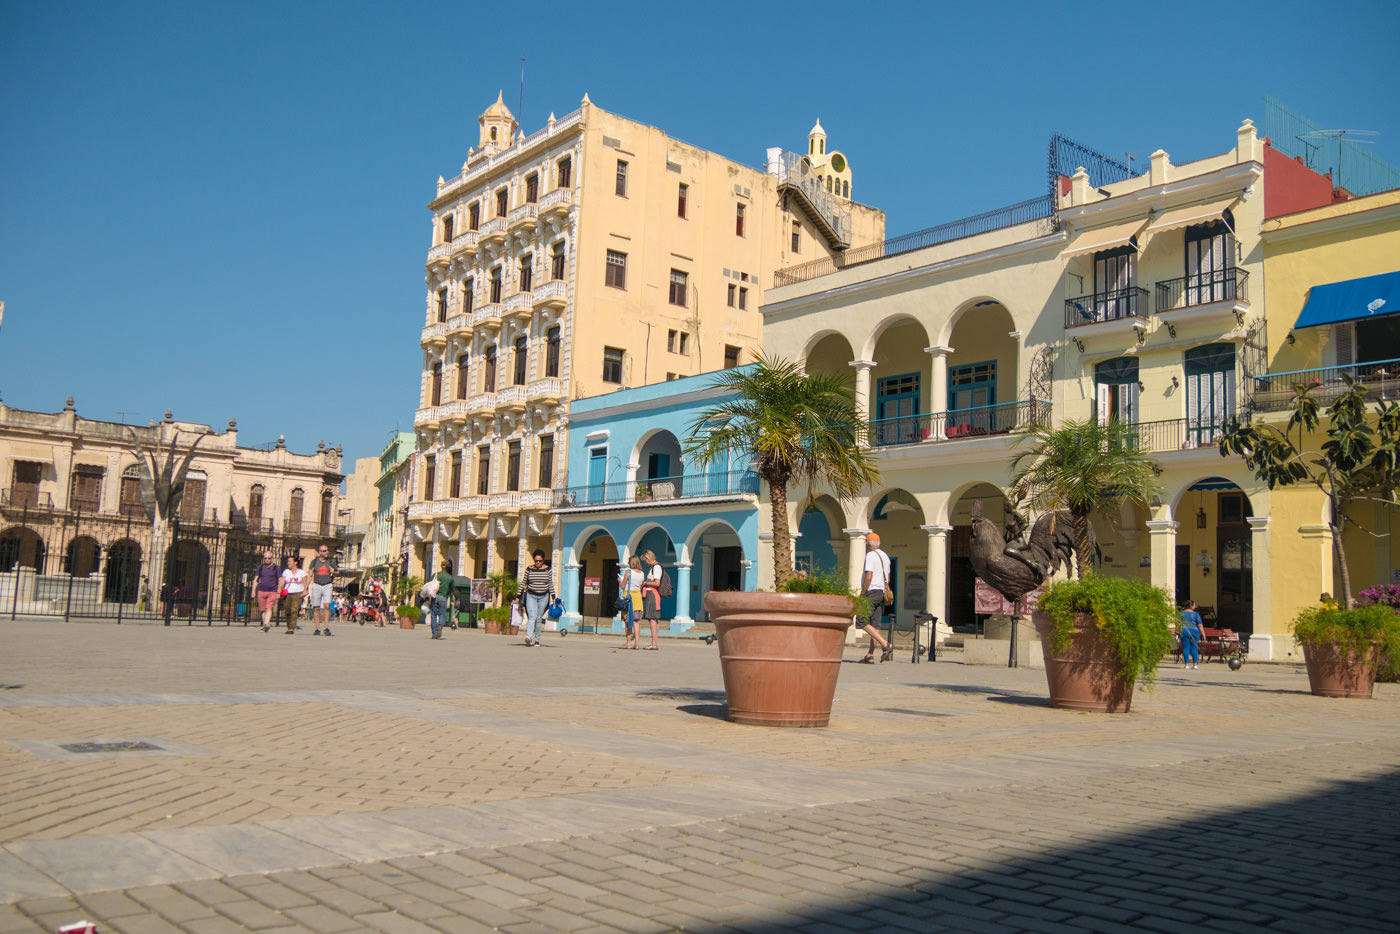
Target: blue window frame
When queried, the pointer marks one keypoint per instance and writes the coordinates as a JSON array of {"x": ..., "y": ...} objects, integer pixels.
[
  {"x": 972, "y": 391},
  {"x": 597, "y": 474},
  {"x": 897, "y": 409}
]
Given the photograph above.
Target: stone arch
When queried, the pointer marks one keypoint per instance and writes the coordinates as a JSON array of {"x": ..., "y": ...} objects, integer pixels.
[
  {"x": 896, "y": 323},
  {"x": 23, "y": 547},
  {"x": 122, "y": 571},
  {"x": 659, "y": 450},
  {"x": 830, "y": 352},
  {"x": 718, "y": 560},
  {"x": 83, "y": 556},
  {"x": 187, "y": 574}
]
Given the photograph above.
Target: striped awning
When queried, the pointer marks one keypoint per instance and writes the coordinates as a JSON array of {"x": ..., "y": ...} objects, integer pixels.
[
  {"x": 1194, "y": 214},
  {"x": 1105, "y": 238}
]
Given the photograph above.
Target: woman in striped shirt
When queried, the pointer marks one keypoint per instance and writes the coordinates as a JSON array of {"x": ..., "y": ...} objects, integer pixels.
[{"x": 536, "y": 588}]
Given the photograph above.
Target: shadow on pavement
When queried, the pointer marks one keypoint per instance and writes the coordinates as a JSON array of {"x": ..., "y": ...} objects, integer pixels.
[{"x": 1322, "y": 862}]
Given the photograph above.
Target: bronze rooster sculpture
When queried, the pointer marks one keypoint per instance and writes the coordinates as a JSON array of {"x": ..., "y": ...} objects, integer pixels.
[{"x": 1014, "y": 569}]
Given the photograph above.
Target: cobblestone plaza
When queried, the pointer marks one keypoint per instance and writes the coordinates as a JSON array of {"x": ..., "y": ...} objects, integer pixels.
[{"x": 379, "y": 781}]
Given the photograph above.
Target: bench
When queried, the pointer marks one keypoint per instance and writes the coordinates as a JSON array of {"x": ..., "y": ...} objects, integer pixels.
[{"x": 1219, "y": 644}]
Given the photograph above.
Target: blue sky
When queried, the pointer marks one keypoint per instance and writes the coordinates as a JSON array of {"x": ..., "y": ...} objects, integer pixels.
[{"x": 220, "y": 208}]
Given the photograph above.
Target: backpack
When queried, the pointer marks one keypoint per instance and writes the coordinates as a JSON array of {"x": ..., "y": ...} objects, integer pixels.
[{"x": 663, "y": 586}]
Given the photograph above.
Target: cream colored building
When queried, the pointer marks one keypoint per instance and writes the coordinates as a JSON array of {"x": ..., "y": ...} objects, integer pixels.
[
  {"x": 1140, "y": 299},
  {"x": 72, "y": 520},
  {"x": 596, "y": 254},
  {"x": 357, "y": 511}
]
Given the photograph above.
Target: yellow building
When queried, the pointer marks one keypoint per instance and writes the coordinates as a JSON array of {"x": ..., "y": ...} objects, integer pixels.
[
  {"x": 1137, "y": 298},
  {"x": 596, "y": 254}
]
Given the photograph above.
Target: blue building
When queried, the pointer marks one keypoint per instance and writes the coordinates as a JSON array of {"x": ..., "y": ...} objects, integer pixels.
[{"x": 630, "y": 490}]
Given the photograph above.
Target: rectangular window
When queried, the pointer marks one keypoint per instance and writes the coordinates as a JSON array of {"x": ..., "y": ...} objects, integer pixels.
[
  {"x": 565, "y": 173},
  {"x": 502, "y": 202},
  {"x": 454, "y": 485},
  {"x": 447, "y": 229},
  {"x": 435, "y": 385},
  {"x": 496, "y": 285},
  {"x": 1115, "y": 274},
  {"x": 131, "y": 498},
  {"x": 796, "y": 237},
  {"x": 556, "y": 262},
  {"x": 532, "y": 189},
  {"x": 678, "y": 287},
  {"x": 551, "y": 353},
  {"x": 463, "y": 376},
  {"x": 616, "y": 273},
  {"x": 513, "y": 467},
  {"x": 733, "y": 292},
  {"x": 468, "y": 296},
  {"x": 522, "y": 354},
  {"x": 685, "y": 339},
  {"x": 429, "y": 478},
  {"x": 483, "y": 470},
  {"x": 743, "y": 298},
  {"x": 671, "y": 341},
  {"x": 731, "y": 356},
  {"x": 441, "y": 305},
  {"x": 474, "y": 215},
  {"x": 488, "y": 376},
  {"x": 546, "y": 462},
  {"x": 86, "y": 494},
  {"x": 738, "y": 220},
  {"x": 1209, "y": 249},
  {"x": 670, "y": 376},
  {"x": 527, "y": 273},
  {"x": 680, "y": 199},
  {"x": 612, "y": 365},
  {"x": 621, "y": 178}
]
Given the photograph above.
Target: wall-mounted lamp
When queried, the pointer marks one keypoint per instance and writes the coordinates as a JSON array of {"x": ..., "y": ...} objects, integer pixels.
[
  {"x": 1176, "y": 382},
  {"x": 1171, "y": 329},
  {"x": 1205, "y": 572},
  {"x": 1205, "y": 562},
  {"x": 1200, "y": 518},
  {"x": 1141, "y": 387},
  {"x": 1290, "y": 338}
]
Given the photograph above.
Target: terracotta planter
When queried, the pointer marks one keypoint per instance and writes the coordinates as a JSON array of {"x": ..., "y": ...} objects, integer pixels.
[
  {"x": 511, "y": 631},
  {"x": 491, "y": 627},
  {"x": 1084, "y": 674},
  {"x": 780, "y": 654},
  {"x": 405, "y": 622},
  {"x": 1337, "y": 672}
]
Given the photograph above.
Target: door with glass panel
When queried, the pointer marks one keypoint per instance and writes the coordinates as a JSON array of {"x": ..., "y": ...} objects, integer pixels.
[
  {"x": 1210, "y": 392},
  {"x": 972, "y": 391},
  {"x": 897, "y": 409}
]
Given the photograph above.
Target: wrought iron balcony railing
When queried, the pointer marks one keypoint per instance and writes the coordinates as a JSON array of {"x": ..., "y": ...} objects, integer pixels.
[
  {"x": 22, "y": 498},
  {"x": 658, "y": 489},
  {"x": 1273, "y": 392},
  {"x": 1116, "y": 305},
  {"x": 1223, "y": 285},
  {"x": 962, "y": 423}
]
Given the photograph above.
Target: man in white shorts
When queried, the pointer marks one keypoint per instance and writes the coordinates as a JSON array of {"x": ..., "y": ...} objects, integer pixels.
[{"x": 322, "y": 575}]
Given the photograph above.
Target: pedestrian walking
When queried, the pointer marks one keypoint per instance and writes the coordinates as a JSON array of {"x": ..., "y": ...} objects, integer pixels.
[
  {"x": 536, "y": 591},
  {"x": 322, "y": 578},
  {"x": 874, "y": 581},
  {"x": 1191, "y": 624},
  {"x": 629, "y": 582},
  {"x": 651, "y": 596},
  {"x": 293, "y": 593},
  {"x": 267, "y": 581},
  {"x": 438, "y": 609}
]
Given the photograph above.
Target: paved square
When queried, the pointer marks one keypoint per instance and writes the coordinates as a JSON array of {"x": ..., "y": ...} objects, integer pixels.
[{"x": 380, "y": 781}]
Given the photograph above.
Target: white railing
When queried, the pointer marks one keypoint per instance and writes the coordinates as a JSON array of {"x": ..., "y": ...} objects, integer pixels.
[
  {"x": 484, "y": 400},
  {"x": 545, "y": 387},
  {"x": 420, "y": 510},
  {"x": 466, "y": 240},
  {"x": 504, "y": 501},
  {"x": 456, "y": 409},
  {"x": 496, "y": 225},
  {"x": 487, "y": 314},
  {"x": 556, "y": 198},
  {"x": 555, "y": 290},
  {"x": 433, "y": 332},
  {"x": 459, "y": 322},
  {"x": 520, "y": 301},
  {"x": 523, "y": 213},
  {"x": 485, "y": 166},
  {"x": 537, "y": 499},
  {"x": 425, "y": 415},
  {"x": 439, "y": 252},
  {"x": 515, "y": 395}
]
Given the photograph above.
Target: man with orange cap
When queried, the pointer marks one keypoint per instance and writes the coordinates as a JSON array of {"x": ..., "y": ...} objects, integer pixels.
[{"x": 873, "y": 583}]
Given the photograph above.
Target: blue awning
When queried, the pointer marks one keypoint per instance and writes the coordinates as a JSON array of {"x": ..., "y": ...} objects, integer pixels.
[{"x": 1351, "y": 300}]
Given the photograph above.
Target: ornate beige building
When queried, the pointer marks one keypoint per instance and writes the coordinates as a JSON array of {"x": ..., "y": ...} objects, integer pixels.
[
  {"x": 596, "y": 254},
  {"x": 74, "y": 531}
]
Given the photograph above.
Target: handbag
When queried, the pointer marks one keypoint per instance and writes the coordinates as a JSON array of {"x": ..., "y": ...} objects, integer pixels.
[
  {"x": 623, "y": 603},
  {"x": 556, "y": 609}
]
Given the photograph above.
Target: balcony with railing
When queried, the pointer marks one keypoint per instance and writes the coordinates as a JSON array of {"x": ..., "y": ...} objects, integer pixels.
[
  {"x": 426, "y": 416},
  {"x": 523, "y": 217},
  {"x": 25, "y": 498},
  {"x": 439, "y": 254},
  {"x": 536, "y": 499},
  {"x": 512, "y": 397},
  {"x": 830, "y": 213},
  {"x": 455, "y": 411},
  {"x": 519, "y": 305},
  {"x": 545, "y": 390},
  {"x": 554, "y": 294},
  {"x": 1274, "y": 392},
  {"x": 483, "y": 403},
  {"x": 459, "y": 326},
  {"x": 493, "y": 231},
  {"x": 1223, "y": 290},
  {"x": 1125, "y": 305},
  {"x": 504, "y": 502},
  {"x": 1180, "y": 434},
  {"x": 944, "y": 427},
  {"x": 465, "y": 242},
  {"x": 557, "y": 201},
  {"x": 487, "y": 316},
  {"x": 650, "y": 492},
  {"x": 434, "y": 334}
]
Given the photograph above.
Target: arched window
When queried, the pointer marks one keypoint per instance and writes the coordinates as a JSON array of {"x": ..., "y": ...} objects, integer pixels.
[
  {"x": 256, "y": 500},
  {"x": 1116, "y": 390},
  {"x": 463, "y": 375},
  {"x": 327, "y": 502},
  {"x": 130, "y": 499},
  {"x": 1210, "y": 391},
  {"x": 192, "y": 500},
  {"x": 551, "y": 352},
  {"x": 435, "y": 389},
  {"x": 522, "y": 353}
]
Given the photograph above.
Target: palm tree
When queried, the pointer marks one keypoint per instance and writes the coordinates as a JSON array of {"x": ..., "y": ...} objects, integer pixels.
[
  {"x": 795, "y": 426},
  {"x": 1083, "y": 468}
]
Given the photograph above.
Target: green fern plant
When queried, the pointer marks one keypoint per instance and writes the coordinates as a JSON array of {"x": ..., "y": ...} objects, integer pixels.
[
  {"x": 1356, "y": 630},
  {"x": 1133, "y": 616}
]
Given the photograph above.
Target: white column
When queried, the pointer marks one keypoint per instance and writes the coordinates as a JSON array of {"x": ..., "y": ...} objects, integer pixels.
[
  {"x": 863, "y": 368},
  {"x": 938, "y": 391},
  {"x": 683, "y": 619},
  {"x": 1261, "y": 642},
  {"x": 936, "y": 587},
  {"x": 1163, "y": 532}
]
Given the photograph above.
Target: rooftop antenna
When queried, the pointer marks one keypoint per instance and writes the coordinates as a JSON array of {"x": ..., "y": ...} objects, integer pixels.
[
  {"x": 1338, "y": 137},
  {"x": 520, "y": 104}
]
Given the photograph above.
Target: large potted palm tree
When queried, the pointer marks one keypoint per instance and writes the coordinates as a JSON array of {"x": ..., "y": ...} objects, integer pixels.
[
  {"x": 1100, "y": 636},
  {"x": 780, "y": 652}
]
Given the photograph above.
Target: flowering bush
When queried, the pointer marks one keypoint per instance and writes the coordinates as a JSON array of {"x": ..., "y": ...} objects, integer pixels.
[{"x": 1384, "y": 595}]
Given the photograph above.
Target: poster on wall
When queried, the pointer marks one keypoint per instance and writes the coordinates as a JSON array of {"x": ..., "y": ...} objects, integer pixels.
[
  {"x": 592, "y": 585},
  {"x": 481, "y": 590},
  {"x": 915, "y": 590}
]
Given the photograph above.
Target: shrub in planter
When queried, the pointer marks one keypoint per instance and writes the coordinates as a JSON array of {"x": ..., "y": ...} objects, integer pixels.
[
  {"x": 828, "y": 582},
  {"x": 495, "y": 619},
  {"x": 1131, "y": 618},
  {"x": 1348, "y": 650},
  {"x": 409, "y": 612}
]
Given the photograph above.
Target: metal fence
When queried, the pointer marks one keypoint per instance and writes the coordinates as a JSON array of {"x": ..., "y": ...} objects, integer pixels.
[
  {"x": 963, "y": 423},
  {"x": 74, "y": 565},
  {"x": 1107, "y": 306},
  {"x": 659, "y": 489},
  {"x": 1274, "y": 392},
  {"x": 1344, "y": 153}
]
